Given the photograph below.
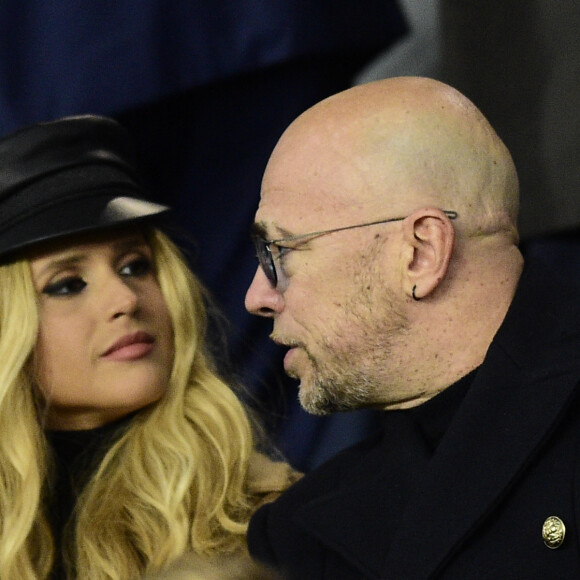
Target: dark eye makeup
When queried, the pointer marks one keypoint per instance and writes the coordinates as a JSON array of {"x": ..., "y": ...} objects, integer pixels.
[
  {"x": 70, "y": 285},
  {"x": 66, "y": 286},
  {"x": 138, "y": 266}
]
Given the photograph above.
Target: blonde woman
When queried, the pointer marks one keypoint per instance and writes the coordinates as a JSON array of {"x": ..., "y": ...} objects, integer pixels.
[{"x": 121, "y": 447}]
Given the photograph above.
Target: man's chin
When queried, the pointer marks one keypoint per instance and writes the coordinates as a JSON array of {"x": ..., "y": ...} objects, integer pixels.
[
  {"x": 313, "y": 399},
  {"x": 312, "y": 396}
]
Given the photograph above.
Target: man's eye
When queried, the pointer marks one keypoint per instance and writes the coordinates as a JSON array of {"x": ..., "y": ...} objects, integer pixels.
[
  {"x": 65, "y": 286},
  {"x": 137, "y": 267},
  {"x": 281, "y": 251}
]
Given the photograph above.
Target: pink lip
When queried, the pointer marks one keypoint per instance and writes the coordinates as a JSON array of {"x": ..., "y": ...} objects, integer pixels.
[{"x": 130, "y": 347}]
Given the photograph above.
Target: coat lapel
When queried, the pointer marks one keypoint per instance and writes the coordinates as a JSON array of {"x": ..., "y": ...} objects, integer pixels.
[
  {"x": 487, "y": 448},
  {"x": 351, "y": 519}
]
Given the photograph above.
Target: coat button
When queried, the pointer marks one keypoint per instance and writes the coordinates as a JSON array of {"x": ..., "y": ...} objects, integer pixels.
[{"x": 553, "y": 532}]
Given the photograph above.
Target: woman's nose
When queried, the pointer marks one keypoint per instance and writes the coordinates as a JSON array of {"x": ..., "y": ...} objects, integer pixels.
[{"x": 121, "y": 299}]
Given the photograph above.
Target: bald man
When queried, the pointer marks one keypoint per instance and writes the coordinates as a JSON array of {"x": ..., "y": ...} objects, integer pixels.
[{"x": 389, "y": 265}]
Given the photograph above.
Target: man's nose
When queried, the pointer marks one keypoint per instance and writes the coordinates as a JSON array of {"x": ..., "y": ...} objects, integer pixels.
[{"x": 261, "y": 298}]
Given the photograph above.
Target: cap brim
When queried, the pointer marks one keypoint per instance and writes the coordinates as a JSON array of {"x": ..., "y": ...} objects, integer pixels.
[{"x": 77, "y": 216}]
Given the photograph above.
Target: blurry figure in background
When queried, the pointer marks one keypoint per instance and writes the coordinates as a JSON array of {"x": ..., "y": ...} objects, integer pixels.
[
  {"x": 122, "y": 448},
  {"x": 417, "y": 53}
]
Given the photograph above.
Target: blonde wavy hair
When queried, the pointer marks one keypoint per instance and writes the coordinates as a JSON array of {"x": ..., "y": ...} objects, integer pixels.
[{"x": 175, "y": 480}]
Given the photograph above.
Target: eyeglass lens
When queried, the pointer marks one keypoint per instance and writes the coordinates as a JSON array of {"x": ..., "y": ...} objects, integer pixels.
[{"x": 266, "y": 260}]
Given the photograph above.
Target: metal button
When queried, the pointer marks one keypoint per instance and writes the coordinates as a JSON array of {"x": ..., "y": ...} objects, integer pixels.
[{"x": 553, "y": 532}]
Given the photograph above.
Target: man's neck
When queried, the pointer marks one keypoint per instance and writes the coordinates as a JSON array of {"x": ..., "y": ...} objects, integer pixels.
[{"x": 450, "y": 334}]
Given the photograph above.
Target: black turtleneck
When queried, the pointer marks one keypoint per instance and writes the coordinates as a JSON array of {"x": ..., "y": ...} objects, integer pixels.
[
  {"x": 76, "y": 455},
  {"x": 433, "y": 417}
]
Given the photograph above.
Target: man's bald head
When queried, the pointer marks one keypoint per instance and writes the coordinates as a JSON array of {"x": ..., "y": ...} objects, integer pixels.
[
  {"x": 384, "y": 314},
  {"x": 405, "y": 143}
]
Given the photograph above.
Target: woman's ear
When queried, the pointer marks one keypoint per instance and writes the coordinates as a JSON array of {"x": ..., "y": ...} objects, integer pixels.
[{"x": 430, "y": 236}]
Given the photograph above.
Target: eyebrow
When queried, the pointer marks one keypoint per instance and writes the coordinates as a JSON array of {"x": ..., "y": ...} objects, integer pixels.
[
  {"x": 72, "y": 257},
  {"x": 259, "y": 229},
  {"x": 137, "y": 241},
  {"x": 57, "y": 264}
]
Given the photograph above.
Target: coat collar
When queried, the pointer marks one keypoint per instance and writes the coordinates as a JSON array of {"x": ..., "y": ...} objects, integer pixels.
[{"x": 531, "y": 371}]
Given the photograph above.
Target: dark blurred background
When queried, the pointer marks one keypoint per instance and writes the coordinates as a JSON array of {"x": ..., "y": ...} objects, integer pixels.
[{"x": 206, "y": 88}]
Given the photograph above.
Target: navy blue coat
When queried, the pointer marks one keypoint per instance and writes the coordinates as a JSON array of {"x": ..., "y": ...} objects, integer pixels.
[{"x": 509, "y": 460}]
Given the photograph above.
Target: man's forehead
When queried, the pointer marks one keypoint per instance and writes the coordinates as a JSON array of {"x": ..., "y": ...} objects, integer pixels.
[
  {"x": 310, "y": 187},
  {"x": 277, "y": 214},
  {"x": 283, "y": 214}
]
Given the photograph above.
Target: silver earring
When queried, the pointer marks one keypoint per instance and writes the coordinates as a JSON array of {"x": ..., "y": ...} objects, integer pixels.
[{"x": 413, "y": 293}]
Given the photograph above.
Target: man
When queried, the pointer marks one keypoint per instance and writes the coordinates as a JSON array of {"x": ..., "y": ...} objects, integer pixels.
[{"x": 411, "y": 296}]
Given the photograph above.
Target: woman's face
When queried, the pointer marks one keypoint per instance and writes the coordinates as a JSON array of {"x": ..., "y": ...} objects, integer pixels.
[{"x": 105, "y": 344}]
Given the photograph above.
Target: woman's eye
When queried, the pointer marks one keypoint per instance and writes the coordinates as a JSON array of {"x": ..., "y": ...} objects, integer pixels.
[
  {"x": 137, "y": 267},
  {"x": 65, "y": 286}
]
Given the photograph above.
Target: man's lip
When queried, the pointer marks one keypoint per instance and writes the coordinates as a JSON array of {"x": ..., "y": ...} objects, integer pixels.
[
  {"x": 135, "y": 338},
  {"x": 288, "y": 355}
]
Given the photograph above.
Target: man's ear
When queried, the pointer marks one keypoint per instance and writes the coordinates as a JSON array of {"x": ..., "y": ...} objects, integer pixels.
[{"x": 430, "y": 236}]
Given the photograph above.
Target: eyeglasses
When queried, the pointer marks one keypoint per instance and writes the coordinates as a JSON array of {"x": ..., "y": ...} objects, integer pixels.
[{"x": 266, "y": 257}]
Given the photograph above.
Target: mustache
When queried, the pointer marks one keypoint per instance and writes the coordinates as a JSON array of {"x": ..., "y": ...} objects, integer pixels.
[{"x": 285, "y": 341}]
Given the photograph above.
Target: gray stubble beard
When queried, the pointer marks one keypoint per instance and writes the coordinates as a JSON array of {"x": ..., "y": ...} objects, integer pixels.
[{"x": 354, "y": 379}]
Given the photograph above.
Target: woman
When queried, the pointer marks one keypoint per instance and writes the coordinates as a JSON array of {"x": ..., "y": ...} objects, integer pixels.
[{"x": 121, "y": 448}]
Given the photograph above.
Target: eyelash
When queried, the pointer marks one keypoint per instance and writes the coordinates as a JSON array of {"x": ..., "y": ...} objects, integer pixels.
[
  {"x": 73, "y": 285},
  {"x": 144, "y": 266},
  {"x": 63, "y": 286}
]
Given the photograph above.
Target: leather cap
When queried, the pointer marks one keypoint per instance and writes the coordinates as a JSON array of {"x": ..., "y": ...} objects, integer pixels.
[{"x": 68, "y": 176}]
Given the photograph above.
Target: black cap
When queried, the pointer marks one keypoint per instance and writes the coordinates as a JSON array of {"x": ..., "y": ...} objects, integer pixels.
[{"x": 72, "y": 175}]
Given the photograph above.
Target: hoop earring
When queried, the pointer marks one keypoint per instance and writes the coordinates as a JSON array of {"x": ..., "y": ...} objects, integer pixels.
[{"x": 413, "y": 293}]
